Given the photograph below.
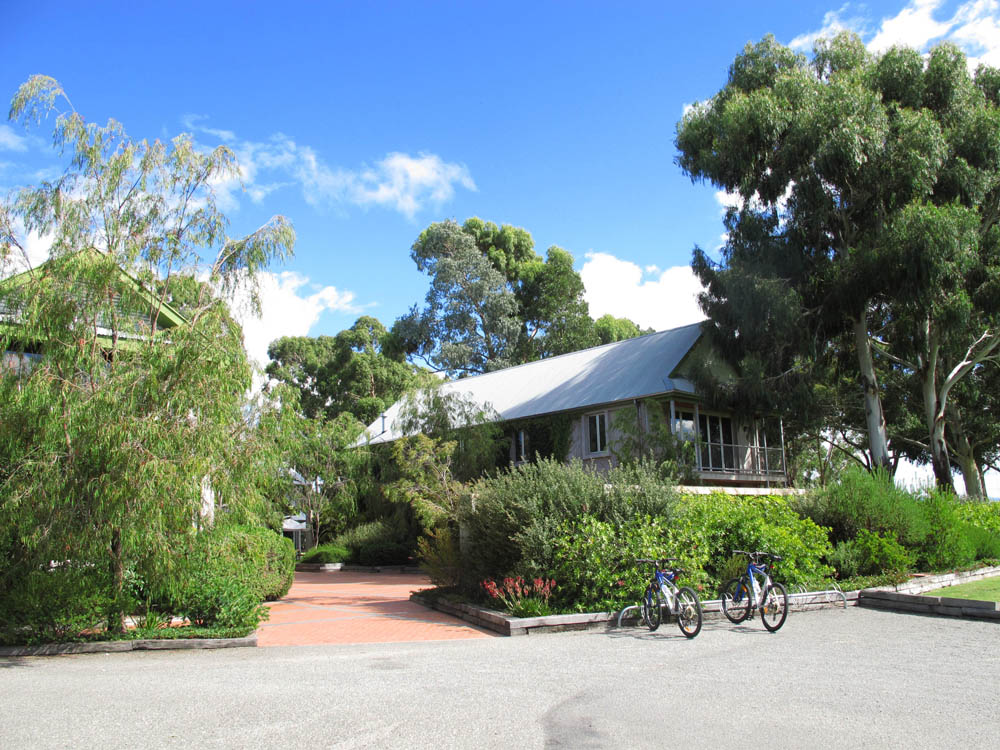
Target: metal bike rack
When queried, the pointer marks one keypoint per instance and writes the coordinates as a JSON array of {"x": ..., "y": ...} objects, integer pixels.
[{"x": 715, "y": 605}]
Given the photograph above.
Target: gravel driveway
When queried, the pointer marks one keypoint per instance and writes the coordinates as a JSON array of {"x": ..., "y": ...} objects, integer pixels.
[{"x": 829, "y": 678}]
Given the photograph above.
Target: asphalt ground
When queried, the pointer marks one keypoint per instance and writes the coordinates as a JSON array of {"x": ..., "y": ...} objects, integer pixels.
[{"x": 829, "y": 679}]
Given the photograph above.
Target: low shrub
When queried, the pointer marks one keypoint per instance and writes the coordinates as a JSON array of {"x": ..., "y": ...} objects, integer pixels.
[
  {"x": 53, "y": 603},
  {"x": 863, "y": 500},
  {"x": 210, "y": 597},
  {"x": 326, "y": 553},
  {"x": 880, "y": 554},
  {"x": 947, "y": 543},
  {"x": 984, "y": 515},
  {"x": 383, "y": 553},
  {"x": 595, "y": 562},
  {"x": 226, "y": 574},
  {"x": 439, "y": 556},
  {"x": 372, "y": 532},
  {"x": 515, "y": 518},
  {"x": 706, "y": 528}
]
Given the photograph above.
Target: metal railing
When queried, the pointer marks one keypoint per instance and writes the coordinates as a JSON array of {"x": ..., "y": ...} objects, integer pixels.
[{"x": 736, "y": 458}]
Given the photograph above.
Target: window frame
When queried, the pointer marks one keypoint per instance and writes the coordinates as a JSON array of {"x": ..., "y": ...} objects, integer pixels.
[{"x": 601, "y": 420}]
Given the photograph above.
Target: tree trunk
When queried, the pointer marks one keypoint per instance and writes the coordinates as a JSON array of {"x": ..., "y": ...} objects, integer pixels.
[
  {"x": 964, "y": 455},
  {"x": 878, "y": 441},
  {"x": 116, "y": 618}
]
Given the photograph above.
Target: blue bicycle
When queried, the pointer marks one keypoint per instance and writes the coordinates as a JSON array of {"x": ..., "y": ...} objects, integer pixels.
[
  {"x": 743, "y": 595},
  {"x": 662, "y": 591}
]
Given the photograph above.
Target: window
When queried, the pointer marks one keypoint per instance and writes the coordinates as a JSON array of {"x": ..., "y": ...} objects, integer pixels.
[
  {"x": 597, "y": 437},
  {"x": 718, "y": 449},
  {"x": 520, "y": 447}
]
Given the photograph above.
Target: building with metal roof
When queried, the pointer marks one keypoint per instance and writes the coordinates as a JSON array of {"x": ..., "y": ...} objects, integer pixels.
[{"x": 646, "y": 374}]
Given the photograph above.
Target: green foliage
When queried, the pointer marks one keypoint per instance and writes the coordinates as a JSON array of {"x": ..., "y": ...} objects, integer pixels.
[
  {"x": 326, "y": 553},
  {"x": 868, "y": 206},
  {"x": 514, "y": 518},
  {"x": 860, "y": 500},
  {"x": 228, "y": 572},
  {"x": 383, "y": 553},
  {"x": 936, "y": 529},
  {"x": 131, "y": 413},
  {"x": 655, "y": 442},
  {"x": 947, "y": 544},
  {"x": 358, "y": 371},
  {"x": 594, "y": 561},
  {"x": 446, "y": 416},
  {"x": 870, "y": 554},
  {"x": 984, "y": 515},
  {"x": 440, "y": 557},
  {"x": 493, "y": 302},
  {"x": 51, "y": 603},
  {"x": 369, "y": 533},
  {"x": 706, "y": 528}
]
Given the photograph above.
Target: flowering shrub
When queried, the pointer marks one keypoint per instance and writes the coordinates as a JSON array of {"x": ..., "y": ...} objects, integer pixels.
[{"x": 522, "y": 599}]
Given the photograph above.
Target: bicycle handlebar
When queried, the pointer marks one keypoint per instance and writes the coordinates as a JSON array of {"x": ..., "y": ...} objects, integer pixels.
[{"x": 776, "y": 558}]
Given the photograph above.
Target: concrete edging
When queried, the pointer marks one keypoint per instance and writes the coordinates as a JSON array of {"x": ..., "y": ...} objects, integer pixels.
[
  {"x": 906, "y": 597},
  {"x": 504, "y": 624},
  {"x": 149, "y": 644}
]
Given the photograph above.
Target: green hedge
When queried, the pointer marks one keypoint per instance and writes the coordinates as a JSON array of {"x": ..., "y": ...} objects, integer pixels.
[
  {"x": 327, "y": 553},
  {"x": 513, "y": 520}
]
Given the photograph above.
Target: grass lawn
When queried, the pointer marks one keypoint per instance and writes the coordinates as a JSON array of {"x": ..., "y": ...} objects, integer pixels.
[{"x": 986, "y": 590}]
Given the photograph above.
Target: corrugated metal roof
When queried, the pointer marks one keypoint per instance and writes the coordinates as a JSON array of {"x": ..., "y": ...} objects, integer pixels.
[{"x": 621, "y": 371}]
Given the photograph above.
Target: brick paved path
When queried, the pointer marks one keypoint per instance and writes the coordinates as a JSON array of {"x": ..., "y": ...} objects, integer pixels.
[{"x": 349, "y": 607}]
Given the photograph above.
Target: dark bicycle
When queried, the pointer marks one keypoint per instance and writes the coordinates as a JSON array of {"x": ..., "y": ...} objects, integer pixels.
[
  {"x": 662, "y": 591},
  {"x": 744, "y": 595}
]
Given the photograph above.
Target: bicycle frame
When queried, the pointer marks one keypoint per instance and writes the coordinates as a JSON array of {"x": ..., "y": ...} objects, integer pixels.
[
  {"x": 664, "y": 580},
  {"x": 756, "y": 588}
]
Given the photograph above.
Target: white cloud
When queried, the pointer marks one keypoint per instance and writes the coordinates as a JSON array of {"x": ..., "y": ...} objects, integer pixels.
[
  {"x": 974, "y": 26},
  {"x": 617, "y": 287},
  {"x": 399, "y": 181},
  {"x": 11, "y": 141},
  {"x": 285, "y": 310},
  {"x": 834, "y": 22},
  {"x": 913, "y": 26}
]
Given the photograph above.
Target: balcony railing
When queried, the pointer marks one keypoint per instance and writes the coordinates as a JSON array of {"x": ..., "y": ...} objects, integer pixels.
[{"x": 743, "y": 460}]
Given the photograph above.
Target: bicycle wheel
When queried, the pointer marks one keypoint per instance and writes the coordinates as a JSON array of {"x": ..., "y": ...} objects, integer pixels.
[
  {"x": 775, "y": 608},
  {"x": 688, "y": 612},
  {"x": 736, "y": 598},
  {"x": 650, "y": 608}
]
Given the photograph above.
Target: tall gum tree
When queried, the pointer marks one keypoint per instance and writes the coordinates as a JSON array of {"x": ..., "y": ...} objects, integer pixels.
[{"x": 842, "y": 151}]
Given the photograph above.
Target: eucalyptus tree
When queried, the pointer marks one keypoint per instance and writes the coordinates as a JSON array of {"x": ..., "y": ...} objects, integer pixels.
[
  {"x": 493, "y": 301},
  {"x": 360, "y": 371},
  {"x": 866, "y": 180},
  {"x": 115, "y": 430}
]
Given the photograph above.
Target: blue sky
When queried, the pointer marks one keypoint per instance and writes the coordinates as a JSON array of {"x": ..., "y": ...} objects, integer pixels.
[{"x": 365, "y": 122}]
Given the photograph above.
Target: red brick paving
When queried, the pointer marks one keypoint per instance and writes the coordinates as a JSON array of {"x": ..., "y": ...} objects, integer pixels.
[{"x": 350, "y": 607}]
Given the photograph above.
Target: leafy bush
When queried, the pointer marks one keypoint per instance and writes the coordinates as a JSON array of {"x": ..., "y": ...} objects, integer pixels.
[
  {"x": 228, "y": 572},
  {"x": 373, "y": 532},
  {"x": 983, "y": 515},
  {"x": 846, "y": 559},
  {"x": 706, "y": 529},
  {"x": 326, "y": 553},
  {"x": 595, "y": 562},
  {"x": 947, "y": 543},
  {"x": 862, "y": 500},
  {"x": 211, "y": 597},
  {"x": 383, "y": 553},
  {"x": 514, "y": 519},
  {"x": 51, "y": 603},
  {"x": 440, "y": 557},
  {"x": 880, "y": 554}
]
